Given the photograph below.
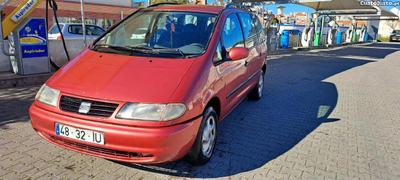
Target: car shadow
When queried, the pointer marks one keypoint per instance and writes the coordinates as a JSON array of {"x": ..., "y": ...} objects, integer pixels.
[
  {"x": 14, "y": 105},
  {"x": 297, "y": 100}
]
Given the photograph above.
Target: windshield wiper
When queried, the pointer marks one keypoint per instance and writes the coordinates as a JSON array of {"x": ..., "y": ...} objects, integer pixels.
[
  {"x": 172, "y": 50},
  {"x": 127, "y": 48},
  {"x": 142, "y": 47}
]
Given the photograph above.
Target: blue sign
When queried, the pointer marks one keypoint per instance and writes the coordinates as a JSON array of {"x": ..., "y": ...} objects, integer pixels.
[
  {"x": 34, "y": 51},
  {"x": 33, "y": 39},
  {"x": 327, "y": 19}
]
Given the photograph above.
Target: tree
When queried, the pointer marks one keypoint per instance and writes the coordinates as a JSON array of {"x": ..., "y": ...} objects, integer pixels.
[
  {"x": 393, "y": 24},
  {"x": 168, "y": 1}
]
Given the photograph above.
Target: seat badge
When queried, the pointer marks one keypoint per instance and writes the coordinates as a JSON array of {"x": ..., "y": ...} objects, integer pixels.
[{"x": 85, "y": 107}]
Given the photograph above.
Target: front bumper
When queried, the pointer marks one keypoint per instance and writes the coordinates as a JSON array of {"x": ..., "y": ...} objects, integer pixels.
[{"x": 122, "y": 143}]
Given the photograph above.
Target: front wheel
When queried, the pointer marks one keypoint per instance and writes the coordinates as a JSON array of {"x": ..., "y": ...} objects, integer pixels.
[
  {"x": 257, "y": 92},
  {"x": 203, "y": 147}
]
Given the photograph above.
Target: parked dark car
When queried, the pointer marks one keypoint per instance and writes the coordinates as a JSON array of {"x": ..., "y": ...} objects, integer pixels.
[{"x": 395, "y": 36}]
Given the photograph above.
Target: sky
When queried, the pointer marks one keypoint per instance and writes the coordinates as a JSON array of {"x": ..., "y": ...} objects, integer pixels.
[{"x": 289, "y": 8}]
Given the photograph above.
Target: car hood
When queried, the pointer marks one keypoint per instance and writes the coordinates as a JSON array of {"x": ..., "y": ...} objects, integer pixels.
[{"x": 121, "y": 78}]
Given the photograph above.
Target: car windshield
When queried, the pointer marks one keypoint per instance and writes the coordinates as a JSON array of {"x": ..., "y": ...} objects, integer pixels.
[
  {"x": 396, "y": 32},
  {"x": 177, "y": 33}
]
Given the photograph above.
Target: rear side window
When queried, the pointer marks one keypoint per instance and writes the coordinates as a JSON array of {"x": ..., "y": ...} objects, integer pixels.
[
  {"x": 260, "y": 29},
  {"x": 75, "y": 29},
  {"x": 94, "y": 30},
  {"x": 249, "y": 30},
  {"x": 90, "y": 30},
  {"x": 54, "y": 29},
  {"x": 232, "y": 33}
]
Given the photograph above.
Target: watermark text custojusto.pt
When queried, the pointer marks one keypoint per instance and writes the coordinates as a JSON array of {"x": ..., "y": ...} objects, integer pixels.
[{"x": 379, "y": 3}]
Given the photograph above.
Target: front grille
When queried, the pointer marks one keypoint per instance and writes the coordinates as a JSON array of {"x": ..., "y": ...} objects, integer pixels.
[
  {"x": 97, "y": 150},
  {"x": 97, "y": 108}
]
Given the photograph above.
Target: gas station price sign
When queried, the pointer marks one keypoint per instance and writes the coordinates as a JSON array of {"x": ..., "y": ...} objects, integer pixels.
[{"x": 33, "y": 39}]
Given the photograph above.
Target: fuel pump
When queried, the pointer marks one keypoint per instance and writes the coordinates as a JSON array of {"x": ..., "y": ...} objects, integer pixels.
[
  {"x": 23, "y": 40},
  {"x": 269, "y": 21},
  {"x": 307, "y": 37},
  {"x": 363, "y": 32},
  {"x": 318, "y": 29},
  {"x": 28, "y": 44},
  {"x": 355, "y": 31},
  {"x": 350, "y": 33},
  {"x": 272, "y": 32},
  {"x": 332, "y": 33}
]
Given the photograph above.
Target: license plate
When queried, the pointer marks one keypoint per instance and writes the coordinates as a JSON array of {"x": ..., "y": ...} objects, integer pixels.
[{"x": 80, "y": 134}]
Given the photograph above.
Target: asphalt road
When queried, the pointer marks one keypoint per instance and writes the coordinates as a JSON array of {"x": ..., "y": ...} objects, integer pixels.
[{"x": 326, "y": 114}]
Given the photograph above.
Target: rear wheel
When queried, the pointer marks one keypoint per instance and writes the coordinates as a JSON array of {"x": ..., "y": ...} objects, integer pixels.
[
  {"x": 203, "y": 148},
  {"x": 257, "y": 92}
]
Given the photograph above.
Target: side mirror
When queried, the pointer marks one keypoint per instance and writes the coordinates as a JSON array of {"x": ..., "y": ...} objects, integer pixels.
[{"x": 238, "y": 53}]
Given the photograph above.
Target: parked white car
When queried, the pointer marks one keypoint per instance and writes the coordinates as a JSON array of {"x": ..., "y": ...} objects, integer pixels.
[{"x": 75, "y": 31}]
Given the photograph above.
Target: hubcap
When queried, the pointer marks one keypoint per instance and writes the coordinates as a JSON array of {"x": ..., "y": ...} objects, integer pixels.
[
  {"x": 260, "y": 84},
  {"x": 209, "y": 136}
]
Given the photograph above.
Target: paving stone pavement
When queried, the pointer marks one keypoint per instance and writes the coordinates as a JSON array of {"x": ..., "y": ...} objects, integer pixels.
[{"x": 325, "y": 114}]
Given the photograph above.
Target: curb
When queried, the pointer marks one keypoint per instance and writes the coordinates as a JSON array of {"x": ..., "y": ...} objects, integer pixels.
[
  {"x": 10, "y": 80},
  {"x": 295, "y": 49}
]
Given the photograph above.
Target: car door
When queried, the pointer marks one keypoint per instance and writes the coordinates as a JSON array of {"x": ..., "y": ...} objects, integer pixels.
[
  {"x": 254, "y": 60},
  {"x": 261, "y": 46},
  {"x": 234, "y": 72}
]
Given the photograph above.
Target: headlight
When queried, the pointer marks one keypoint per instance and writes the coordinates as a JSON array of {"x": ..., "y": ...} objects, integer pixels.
[
  {"x": 47, "y": 96},
  {"x": 151, "y": 112}
]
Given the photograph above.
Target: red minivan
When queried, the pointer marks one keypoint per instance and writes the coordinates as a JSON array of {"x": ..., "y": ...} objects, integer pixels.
[{"x": 159, "y": 98}]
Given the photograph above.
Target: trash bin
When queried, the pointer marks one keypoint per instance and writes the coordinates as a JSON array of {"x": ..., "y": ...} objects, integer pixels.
[
  {"x": 285, "y": 40},
  {"x": 339, "y": 37}
]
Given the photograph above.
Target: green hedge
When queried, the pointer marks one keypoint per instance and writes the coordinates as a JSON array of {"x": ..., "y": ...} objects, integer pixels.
[{"x": 383, "y": 39}]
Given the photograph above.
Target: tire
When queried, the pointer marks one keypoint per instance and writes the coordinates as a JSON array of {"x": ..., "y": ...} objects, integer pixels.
[
  {"x": 202, "y": 150},
  {"x": 257, "y": 92}
]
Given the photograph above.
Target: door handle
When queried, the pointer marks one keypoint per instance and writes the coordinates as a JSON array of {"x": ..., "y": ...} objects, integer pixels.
[{"x": 246, "y": 63}]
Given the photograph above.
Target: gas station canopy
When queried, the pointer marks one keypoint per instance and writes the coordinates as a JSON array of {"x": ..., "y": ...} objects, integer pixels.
[
  {"x": 332, "y": 5},
  {"x": 351, "y": 7},
  {"x": 354, "y": 7}
]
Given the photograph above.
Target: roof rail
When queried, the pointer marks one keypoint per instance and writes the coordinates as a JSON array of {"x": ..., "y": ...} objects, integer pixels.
[
  {"x": 161, "y": 4},
  {"x": 239, "y": 6}
]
